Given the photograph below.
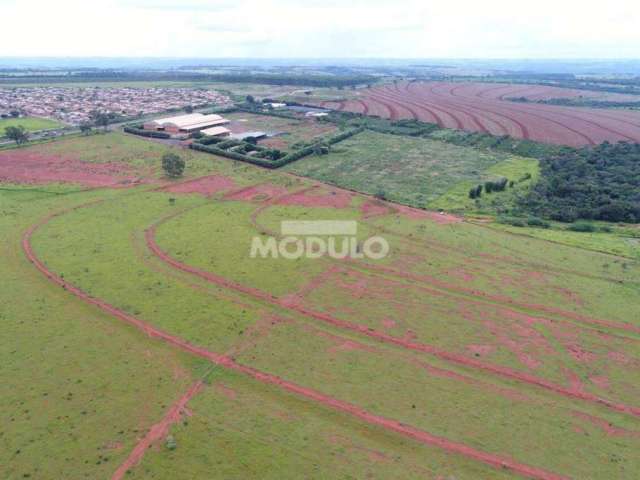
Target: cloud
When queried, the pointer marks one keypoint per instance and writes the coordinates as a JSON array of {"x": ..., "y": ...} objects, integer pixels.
[{"x": 321, "y": 28}]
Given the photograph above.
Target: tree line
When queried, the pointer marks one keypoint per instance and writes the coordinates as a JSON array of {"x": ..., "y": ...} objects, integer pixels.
[{"x": 591, "y": 183}]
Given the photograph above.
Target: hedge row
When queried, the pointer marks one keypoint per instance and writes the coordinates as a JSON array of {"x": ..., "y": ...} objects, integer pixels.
[
  {"x": 146, "y": 133},
  {"x": 269, "y": 113},
  {"x": 344, "y": 135},
  {"x": 291, "y": 157},
  {"x": 233, "y": 155}
]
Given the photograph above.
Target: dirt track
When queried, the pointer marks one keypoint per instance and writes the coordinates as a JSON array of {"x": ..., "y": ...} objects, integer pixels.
[
  {"x": 225, "y": 361},
  {"x": 383, "y": 337},
  {"x": 158, "y": 431}
]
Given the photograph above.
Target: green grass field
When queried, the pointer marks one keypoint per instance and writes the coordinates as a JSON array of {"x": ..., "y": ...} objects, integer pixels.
[
  {"x": 526, "y": 346},
  {"x": 32, "y": 124},
  {"x": 413, "y": 171}
]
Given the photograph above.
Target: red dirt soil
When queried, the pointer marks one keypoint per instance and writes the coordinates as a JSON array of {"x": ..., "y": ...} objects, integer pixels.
[
  {"x": 158, "y": 431},
  {"x": 317, "y": 198},
  {"x": 25, "y": 167},
  {"x": 372, "y": 208},
  {"x": 256, "y": 193},
  {"x": 206, "y": 186},
  {"x": 455, "y": 358},
  {"x": 484, "y": 108},
  {"x": 424, "y": 437},
  {"x": 607, "y": 427},
  {"x": 417, "y": 214}
]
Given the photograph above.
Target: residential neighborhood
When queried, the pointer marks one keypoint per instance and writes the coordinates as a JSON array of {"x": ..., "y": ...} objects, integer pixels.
[{"x": 74, "y": 105}]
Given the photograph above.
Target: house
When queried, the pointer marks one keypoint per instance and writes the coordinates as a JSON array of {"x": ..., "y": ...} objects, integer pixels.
[
  {"x": 190, "y": 123},
  {"x": 216, "y": 132}
]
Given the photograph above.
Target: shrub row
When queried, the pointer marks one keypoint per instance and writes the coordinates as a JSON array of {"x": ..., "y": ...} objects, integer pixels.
[
  {"x": 218, "y": 149},
  {"x": 146, "y": 133},
  {"x": 269, "y": 113},
  {"x": 233, "y": 155}
]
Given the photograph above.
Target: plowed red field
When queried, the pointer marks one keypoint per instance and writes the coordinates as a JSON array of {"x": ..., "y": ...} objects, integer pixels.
[{"x": 483, "y": 107}]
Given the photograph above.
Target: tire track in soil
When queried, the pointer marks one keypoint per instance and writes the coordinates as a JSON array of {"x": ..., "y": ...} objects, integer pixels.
[
  {"x": 158, "y": 431},
  {"x": 480, "y": 295},
  {"x": 447, "y": 356},
  {"x": 496, "y": 461},
  {"x": 503, "y": 300}
]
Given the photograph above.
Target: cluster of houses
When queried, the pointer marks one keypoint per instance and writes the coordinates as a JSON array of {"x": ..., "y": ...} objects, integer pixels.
[{"x": 74, "y": 105}]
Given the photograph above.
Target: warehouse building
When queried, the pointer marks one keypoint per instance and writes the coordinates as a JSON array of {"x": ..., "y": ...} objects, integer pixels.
[
  {"x": 189, "y": 123},
  {"x": 216, "y": 132}
]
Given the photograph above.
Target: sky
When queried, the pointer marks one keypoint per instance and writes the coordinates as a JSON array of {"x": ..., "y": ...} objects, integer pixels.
[{"x": 321, "y": 28}]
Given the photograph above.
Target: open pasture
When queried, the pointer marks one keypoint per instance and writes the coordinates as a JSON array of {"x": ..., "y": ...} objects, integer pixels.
[
  {"x": 31, "y": 124},
  {"x": 466, "y": 353}
]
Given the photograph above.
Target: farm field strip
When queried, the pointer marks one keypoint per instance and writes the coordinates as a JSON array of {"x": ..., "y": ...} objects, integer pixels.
[
  {"x": 552, "y": 113},
  {"x": 506, "y": 124},
  {"x": 546, "y": 128},
  {"x": 227, "y": 362},
  {"x": 476, "y": 107},
  {"x": 589, "y": 118},
  {"x": 479, "y": 124}
]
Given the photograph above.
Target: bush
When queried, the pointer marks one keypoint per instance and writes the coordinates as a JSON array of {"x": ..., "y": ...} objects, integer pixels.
[
  {"x": 513, "y": 221},
  {"x": 475, "y": 192},
  {"x": 146, "y": 133},
  {"x": 537, "y": 222},
  {"x": 173, "y": 165},
  {"x": 582, "y": 227},
  {"x": 209, "y": 140}
]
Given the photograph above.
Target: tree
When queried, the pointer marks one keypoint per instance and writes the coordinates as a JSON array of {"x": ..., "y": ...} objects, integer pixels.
[
  {"x": 321, "y": 148},
  {"x": 15, "y": 113},
  {"x": 18, "y": 134},
  {"x": 100, "y": 119},
  {"x": 475, "y": 192},
  {"x": 380, "y": 195},
  {"x": 188, "y": 109},
  {"x": 85, "y": 128},
  {"x": 172, "y": 165},
  {"x": 250, "y": 99}
]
